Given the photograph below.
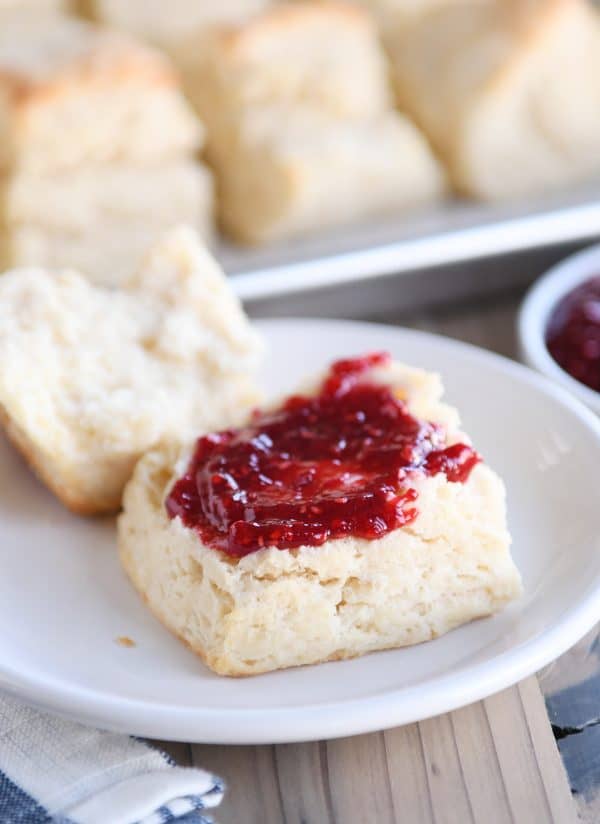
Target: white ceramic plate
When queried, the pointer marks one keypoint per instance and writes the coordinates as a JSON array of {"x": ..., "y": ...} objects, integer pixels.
[{"x": 64, "y": 600}]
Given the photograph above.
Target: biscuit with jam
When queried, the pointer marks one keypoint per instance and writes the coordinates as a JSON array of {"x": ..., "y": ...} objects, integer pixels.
[{"x": 351, "y": 518}]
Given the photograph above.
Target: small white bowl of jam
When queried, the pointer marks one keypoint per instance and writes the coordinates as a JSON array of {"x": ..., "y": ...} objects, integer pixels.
[{"x": 559, "y": 325}]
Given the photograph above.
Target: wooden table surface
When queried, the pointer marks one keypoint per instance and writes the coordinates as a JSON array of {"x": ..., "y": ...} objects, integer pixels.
[{"x": 493, "y": 762}]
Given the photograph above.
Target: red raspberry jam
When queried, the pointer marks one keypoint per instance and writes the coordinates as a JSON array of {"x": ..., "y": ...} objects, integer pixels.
[
  {"x": 336, "y": 464},
  {"x": 573, "y": 333}
]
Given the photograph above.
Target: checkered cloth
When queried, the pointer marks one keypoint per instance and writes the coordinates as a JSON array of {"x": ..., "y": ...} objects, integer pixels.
[{"x": 58, "y": 771}]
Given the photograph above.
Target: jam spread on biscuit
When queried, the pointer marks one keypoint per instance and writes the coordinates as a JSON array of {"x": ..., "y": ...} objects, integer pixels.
[
  {"x": 336, "y": 464},
  {"x": 573, "y": 334}
]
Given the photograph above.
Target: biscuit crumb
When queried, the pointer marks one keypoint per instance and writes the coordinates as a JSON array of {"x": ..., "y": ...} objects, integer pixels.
[{"x": 125, "y": 641}]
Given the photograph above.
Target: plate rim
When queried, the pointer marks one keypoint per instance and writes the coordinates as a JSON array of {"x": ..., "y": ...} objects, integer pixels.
[{"x": 354, "y": 716}]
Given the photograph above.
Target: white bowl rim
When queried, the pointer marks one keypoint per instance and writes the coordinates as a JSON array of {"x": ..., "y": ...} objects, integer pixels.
[{"x": 540, "y": 301}]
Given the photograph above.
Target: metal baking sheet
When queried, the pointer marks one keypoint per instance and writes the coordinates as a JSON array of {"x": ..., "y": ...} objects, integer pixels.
[{"x": 434, "y": 238}]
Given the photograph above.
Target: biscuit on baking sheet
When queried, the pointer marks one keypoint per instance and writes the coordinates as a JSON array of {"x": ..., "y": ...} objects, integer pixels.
[
  {"x": 276, "y": 608},
  {"x": 507, "y": 91},
  {"x": 72, "y": 93},
  {"x": 100, "y": 220},
  {"x": 166, "y": 23},
  {"x": 90, "y": 378},
  {"x": 97, "y": 149},
  {"x": 301, "y": 132}
]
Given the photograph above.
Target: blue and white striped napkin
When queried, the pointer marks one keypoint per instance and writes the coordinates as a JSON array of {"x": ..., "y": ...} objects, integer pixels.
[{"x": 52, "y": 770}]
